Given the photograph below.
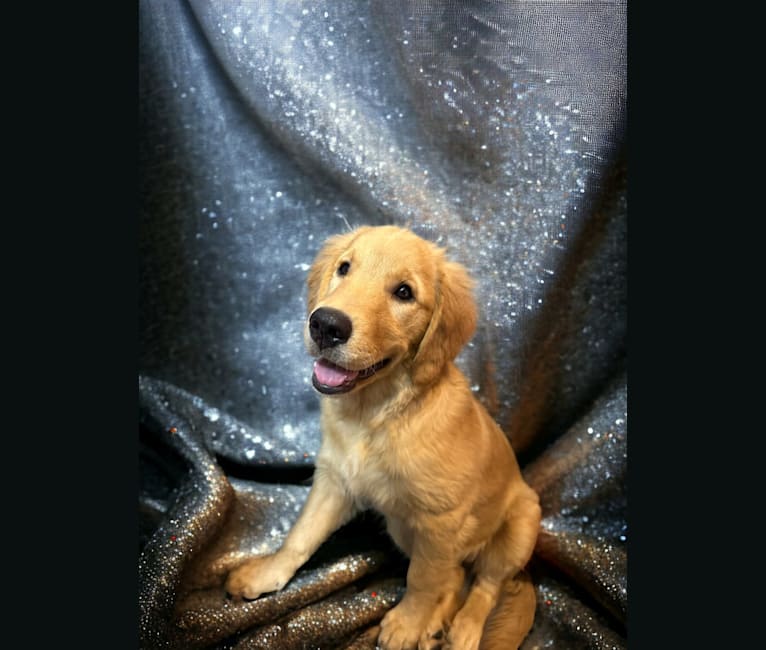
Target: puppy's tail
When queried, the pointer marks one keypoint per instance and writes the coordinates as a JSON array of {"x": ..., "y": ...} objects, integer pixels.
[{"x": 511, "y": 619}]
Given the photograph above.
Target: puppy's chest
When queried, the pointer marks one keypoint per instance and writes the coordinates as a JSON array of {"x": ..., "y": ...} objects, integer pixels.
[{"x": 366, "y": 467}]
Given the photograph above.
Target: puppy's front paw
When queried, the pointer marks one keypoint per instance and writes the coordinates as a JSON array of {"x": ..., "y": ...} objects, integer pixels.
[
  {"x": 258, "y": 576},
  {"x": 465, "y": 634},
  {"x": 434, "y": 634},
  {"x": 400, "y": 629}
]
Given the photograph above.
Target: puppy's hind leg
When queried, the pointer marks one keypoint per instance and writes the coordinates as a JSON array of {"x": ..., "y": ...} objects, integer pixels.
[
  {"x": 511, "y": 620},
  {"x": 502, "y": 558}
]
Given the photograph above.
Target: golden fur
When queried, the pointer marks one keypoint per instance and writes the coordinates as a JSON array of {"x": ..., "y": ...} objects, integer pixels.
[{"x": 412, "y": 442}]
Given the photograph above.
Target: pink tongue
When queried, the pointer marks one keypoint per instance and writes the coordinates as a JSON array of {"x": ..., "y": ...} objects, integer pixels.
[{"x": 332, "y": 375}]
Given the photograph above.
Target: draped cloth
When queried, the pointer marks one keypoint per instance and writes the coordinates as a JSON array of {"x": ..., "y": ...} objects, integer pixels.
[{"x": 497, "y": 130}]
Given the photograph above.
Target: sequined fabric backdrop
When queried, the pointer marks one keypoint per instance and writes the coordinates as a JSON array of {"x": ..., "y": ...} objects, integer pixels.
[{"x": 493, "y": 128}]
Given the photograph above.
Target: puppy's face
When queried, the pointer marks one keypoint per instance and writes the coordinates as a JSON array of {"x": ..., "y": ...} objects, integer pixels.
[{"x": 382, "y": 298}]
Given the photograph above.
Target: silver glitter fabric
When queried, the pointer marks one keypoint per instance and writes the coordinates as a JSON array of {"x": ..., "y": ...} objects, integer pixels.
[
  {"x": 203, "y": 617},
  {"x": 496, "y": 129},
  {"x": 328, "y": 623},
  {"x": 581, "y": 482},
  {"x": 223, "y": 434},
  {"x": 563, "y": 620}
]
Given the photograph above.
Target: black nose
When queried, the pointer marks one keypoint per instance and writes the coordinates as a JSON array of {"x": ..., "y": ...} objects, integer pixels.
[{"x": 329, "y": 327}]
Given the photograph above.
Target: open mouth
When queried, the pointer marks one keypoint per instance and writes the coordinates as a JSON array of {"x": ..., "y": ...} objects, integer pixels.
[{"x": 332, "y": 379}]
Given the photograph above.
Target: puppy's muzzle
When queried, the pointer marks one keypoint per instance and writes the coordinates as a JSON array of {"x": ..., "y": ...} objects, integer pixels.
[{"x": 329, "y": 327}]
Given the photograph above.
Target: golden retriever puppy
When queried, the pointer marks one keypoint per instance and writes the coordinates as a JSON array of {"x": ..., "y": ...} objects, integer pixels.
[{"x": 403, "y": 434}]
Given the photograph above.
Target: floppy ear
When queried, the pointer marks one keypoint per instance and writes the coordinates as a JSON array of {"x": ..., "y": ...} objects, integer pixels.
[
  {"x": 326, "y": 257},
  {"x": 452, "y": 323}
]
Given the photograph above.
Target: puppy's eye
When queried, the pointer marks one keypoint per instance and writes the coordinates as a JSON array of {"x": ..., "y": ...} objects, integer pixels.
[
  {"x": 343, "y": 268},
  {"x": 404, "y": 292}
]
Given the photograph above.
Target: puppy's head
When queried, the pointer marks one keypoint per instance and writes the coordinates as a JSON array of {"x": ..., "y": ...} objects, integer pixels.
[{"x": 382, "y": 298}]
